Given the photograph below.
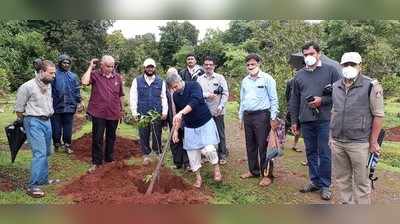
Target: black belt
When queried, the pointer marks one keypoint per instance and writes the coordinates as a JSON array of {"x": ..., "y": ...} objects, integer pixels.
[
  {"x": 253, "y": 112},
  {"x": 43, "y": 118}
]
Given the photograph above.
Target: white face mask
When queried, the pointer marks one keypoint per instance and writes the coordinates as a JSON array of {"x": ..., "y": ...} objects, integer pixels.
[
  {"x": 310, "y": 60},
  {"x": 349, "y": 72}
]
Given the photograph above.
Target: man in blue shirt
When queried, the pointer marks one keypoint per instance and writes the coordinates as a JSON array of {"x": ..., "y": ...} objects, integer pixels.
[
  {"x": 257, "y": 114},
  {"x": 66, "y": 100}
]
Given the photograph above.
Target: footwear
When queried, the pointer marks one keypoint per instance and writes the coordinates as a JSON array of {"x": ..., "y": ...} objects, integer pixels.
[
  {"x": 35, "y": 192},
  {"x": 246, "y": 175},
  {"x": 265, "y": 182},
  {"x": 53, "y": 181},
  {"x": 223, "y": 161},
  {"x": 304, "y": 163},
  {"x": 67, "y": 149},
  {"x": 309, "y": 188},
  {"x": 146, "y": 160},
  {"x": 57, "y": 147},
  {"x": 92, "y": 169},
  {"x": 217, "y": 176},
  {"x": 296, "y": 149},
  {"x": 198, "y": 183},
  {"x": 326, "y": 194}
]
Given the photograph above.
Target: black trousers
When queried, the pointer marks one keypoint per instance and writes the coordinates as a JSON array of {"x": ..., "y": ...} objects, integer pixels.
[
  {"x": 155, "y": 130},
  {"x": 61, "y": 124},
  {"x": 256, "y": 127},
  {"x": 179, "y": 155},
  {"x": 222, "y": 150},
  {"x": 99, "y": 126}
]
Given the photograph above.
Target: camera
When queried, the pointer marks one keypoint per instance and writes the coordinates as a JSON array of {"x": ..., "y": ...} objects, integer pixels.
[
  {"x": 327, "y": 90},
  {"x": 310, "y": 99},
  {"x": 219, "y": 90}
]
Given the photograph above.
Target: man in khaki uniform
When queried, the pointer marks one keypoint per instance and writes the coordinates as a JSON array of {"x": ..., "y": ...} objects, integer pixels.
[{"x": 357, "y": 118}]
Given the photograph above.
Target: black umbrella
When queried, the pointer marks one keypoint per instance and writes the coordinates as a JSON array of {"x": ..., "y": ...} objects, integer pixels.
[{"x": 16, "y": 137}]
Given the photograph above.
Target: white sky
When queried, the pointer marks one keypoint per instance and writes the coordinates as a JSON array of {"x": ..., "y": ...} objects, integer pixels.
[{"x": 130, "y": 28}]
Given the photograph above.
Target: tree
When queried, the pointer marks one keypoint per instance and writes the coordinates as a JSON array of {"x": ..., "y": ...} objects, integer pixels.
[{"x": 172, "y": 37}]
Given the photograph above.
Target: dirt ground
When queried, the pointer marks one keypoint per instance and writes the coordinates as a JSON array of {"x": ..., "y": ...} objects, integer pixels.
[
  {"x": 393, "y": 134},
  {"x": 118, "y": 183},
  {"x": 6, "y": 185},
  {"x": 124, "y": 148}
]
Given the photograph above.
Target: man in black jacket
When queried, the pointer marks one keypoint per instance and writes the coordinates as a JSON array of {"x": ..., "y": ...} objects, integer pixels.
[{"x": 193, "y": 70}]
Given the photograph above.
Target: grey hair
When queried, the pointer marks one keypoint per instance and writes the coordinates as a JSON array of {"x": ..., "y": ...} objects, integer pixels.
[
  {"x": 173, "y": 78},
  {"x": 107, "y": 58},
  {"x": 171, "y": 71}
]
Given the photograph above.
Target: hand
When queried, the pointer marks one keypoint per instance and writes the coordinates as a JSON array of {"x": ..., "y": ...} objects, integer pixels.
[
  {"x": 220, "y": 109},
  {"x": 211, "y": 96},
  {"x": 274, "y": 124},
  {"x": 175, "y": 137},
  {"x": 295, "y": 129},
  {"x": 80, "y": 108},
  {"x": 93, "y": 63},
  {"x": 316, "y": 103},
  {"x": 241, "y": 125},
  {"x": 136, "y": 117},
  {"x": 374, "y": 147},
  {"x": 164, "y": 117},
  {"x": 177, "y": 120}
]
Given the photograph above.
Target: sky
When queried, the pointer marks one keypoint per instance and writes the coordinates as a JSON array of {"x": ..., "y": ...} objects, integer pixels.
[{"x": 130, "y": 28}]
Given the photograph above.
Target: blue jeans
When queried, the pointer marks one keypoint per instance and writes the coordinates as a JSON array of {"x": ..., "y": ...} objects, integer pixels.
[
  {"x": 38, "y": 134},
  {"x": 62, "y": 126},
  {"x": 316, "y": 137}
]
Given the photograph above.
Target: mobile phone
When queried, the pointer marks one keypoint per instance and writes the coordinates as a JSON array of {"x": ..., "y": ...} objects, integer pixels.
[{"x": 309, "y": 98}]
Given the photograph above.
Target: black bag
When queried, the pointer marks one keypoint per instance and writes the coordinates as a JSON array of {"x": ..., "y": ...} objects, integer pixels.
[{"x": 16, "y": 137}]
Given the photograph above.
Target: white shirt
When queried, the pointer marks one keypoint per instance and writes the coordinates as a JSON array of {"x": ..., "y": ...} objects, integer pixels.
[{"x": 133, "y": 95}]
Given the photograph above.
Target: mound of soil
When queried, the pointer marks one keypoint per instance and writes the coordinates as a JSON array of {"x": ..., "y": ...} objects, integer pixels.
[
  {"x": 6, "y": 184},
  {"x": 393, "y": 134},
  {"x": 118, "y": 183},
  {"x": 123, "y": 149}
]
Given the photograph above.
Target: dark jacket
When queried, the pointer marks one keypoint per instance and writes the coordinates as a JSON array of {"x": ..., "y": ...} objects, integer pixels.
[
  {"x": 186, "y": 76},
  {"x": 192, "y": 95},
  {"x": 65, "y": 92}
]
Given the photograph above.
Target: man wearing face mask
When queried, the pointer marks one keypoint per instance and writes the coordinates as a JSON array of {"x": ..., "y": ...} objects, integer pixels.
[
  {"x": 357, "y": 118},
  {"x": 34, "y": 105},
  {"x": 148, "y": 93},
  {"x": 257, "y": 113},
  {"x": 310, "y": 108},
  {"x": 66, "y": 101},
  {"x": 193, "y": 70},
  {"x": 105, "y": 107}
]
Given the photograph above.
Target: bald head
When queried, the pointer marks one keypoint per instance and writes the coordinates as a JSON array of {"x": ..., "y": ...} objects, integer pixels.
[{"x": 172, "y": 71}]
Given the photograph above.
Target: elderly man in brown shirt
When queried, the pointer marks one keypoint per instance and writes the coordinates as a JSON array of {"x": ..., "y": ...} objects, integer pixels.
[{"x": 105, "y": 107}]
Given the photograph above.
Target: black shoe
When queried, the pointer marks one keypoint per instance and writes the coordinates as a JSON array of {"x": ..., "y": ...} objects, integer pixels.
[
  {"x": 309, "y": 188},
  {"x": 326, "y": 194},
  {"x": 57, "y": 146}
]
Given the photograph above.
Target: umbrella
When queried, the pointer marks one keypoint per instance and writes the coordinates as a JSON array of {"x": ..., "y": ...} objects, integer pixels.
[
  {"x": 16, "y": 137},
  {"x": 373, "y": 160}
]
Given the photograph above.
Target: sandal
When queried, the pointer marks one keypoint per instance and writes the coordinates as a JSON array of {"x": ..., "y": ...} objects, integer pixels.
[
  {"x": 53, "y": 181},
  {"x": 246, "y": 175},
  {"x": 217, "y": 176},
  {"x": 198, "y": 183},
  {"x": 265, "y": 182},
  {"x": 35, "y": 192}
]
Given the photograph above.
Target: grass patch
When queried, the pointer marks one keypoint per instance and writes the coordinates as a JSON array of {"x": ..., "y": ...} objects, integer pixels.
[{"x": 391, "y": 113}]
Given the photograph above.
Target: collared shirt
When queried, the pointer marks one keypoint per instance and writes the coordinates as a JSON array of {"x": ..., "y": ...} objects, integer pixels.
[
  {"x": 31, "y": 101},
  {"x": 105, "y": 101},
  {"x": 258, "y": 94},
  {"x": 133, "y": 95},
  {"x": 208, "y": 85},
  {"x": 195, "y": 70}
]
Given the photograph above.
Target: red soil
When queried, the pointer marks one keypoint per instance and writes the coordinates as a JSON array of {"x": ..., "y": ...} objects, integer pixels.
[
  {"x": 118, "y": 183},
  {"x": 123, "y": 149},
  {"x": 6, "y": 185},
  {"x": 393, "y": 134}
]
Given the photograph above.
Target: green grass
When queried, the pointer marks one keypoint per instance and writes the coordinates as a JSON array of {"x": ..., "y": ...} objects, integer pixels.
[{"x": 391, "y": 113}]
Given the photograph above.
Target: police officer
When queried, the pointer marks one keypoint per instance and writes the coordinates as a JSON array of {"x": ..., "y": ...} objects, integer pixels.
[{"x": 357, "y": 118}]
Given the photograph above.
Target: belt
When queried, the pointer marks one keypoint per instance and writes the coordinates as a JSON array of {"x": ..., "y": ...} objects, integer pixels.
[
  {"x": 43, "y": 118},
  {"x": 247, "y": 112}
]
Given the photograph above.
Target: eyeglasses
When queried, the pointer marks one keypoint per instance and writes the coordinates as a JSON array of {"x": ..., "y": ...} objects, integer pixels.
[
  {"x": 109, "y": 66},
  {"x": 208, "y": 64},
  {"x": 251, "y": 64},
  {"x": 66, "y": 63}
]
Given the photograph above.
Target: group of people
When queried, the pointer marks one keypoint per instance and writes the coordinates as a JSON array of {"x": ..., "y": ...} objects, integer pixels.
[{"x": 338, "y": 110}]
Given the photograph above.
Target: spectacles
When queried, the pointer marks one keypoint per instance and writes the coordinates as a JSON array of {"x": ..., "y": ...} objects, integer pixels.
[
  {"x": 65, "y": 63},
  {"x": 109, "y": 66},
  {"x": 208, "y": 64},
  {"x": 251, "y": 64}
]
